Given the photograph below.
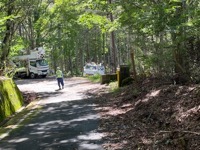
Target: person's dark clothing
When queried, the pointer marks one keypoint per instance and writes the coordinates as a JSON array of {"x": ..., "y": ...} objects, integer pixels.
[
  {"x": 60, "y": 82},
  {"x": 59, "y": 76}
]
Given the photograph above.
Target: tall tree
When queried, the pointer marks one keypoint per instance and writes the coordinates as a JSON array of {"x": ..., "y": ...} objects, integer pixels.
[{"x": 9, "y": 23}]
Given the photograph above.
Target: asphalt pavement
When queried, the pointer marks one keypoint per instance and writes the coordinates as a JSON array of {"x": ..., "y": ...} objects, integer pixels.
[{"x": 67, "y": 119}]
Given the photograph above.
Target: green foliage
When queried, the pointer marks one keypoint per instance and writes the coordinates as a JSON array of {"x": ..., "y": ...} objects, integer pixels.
[
  {"x": 90, "y": 20},
  {"x": 94, "y": 78},
  {"x": 9, "y": 72},
  {"x": 19, "y": 44},
  {"x": 114, "y": 86},
  {"x": 75, "y": 32},
  {"x": 127, "y": 81}
]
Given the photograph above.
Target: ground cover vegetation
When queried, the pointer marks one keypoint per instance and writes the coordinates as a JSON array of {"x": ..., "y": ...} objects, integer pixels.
[{"x": 154, "y": 115}]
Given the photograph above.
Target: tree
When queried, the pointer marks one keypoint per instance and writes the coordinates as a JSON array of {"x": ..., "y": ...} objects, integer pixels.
[
  {"x": 164, "y": 35},
  {"x": 8, "y": 32}
]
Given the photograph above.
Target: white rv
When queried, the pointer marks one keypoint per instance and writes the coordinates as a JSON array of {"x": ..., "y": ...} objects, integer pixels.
[
  {"x": 93, "y": 68},
  {"x": 31, "y": 65}
]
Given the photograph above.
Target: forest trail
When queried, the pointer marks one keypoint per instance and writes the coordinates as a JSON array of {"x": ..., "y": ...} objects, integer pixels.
[{"x": 67, "y": 119}]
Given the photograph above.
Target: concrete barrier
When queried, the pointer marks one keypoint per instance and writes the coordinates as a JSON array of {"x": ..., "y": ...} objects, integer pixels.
[{"x": 107, "y": 78}]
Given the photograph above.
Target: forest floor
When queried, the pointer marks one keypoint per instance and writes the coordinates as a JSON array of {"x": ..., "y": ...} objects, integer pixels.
[{"x": 156, "y": 115}]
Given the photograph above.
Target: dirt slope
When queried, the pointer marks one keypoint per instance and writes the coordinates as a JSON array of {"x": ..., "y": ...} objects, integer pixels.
[{"x": 157, "y": 116}]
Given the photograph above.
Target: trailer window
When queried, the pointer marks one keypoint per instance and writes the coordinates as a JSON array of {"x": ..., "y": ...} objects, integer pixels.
[
  {"x": 42, "y": 62},
  {"x": 33, "y": 63}
]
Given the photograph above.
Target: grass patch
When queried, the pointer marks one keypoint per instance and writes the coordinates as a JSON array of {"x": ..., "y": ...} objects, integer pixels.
[
  {"x": 95, "y": 78},
  {"x": 114, "y": 86}
]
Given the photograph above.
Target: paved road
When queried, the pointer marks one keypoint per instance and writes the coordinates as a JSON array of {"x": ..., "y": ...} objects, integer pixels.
[{"x": 67, "y": 120}]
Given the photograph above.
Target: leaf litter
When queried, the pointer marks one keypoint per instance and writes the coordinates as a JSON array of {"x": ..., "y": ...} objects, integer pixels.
[{"x": 155, "y": 116}]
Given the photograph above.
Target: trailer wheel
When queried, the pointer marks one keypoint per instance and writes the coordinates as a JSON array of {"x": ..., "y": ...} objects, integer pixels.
[
  {"x": 32, "y": 75},
  {"x": 44, "y": 76}
]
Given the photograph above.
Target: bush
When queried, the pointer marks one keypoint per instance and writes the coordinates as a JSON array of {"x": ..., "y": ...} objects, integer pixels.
[
  {"x": 127, "y": 81},
  {"x": 113, "y": 86},
  {"x": 95, "y": 78}
]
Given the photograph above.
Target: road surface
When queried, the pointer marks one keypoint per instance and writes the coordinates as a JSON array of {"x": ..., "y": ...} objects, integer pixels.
[{"x": 67, "y": 119}]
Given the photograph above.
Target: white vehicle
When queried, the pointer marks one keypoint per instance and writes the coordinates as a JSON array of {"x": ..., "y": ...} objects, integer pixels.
[
  {"x": 92, "y": 69},
  {"x": 31, "y": 65}
]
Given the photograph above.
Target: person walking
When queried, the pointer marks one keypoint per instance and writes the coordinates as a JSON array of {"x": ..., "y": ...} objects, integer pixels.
[{"x": 59, "y": 76}]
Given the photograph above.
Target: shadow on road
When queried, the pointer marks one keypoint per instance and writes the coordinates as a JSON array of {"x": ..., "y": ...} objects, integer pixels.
[
  {"x": 49, "y": 79},
  {"x": 32, "y": 81},
  {"x": 67, "y": 125}
]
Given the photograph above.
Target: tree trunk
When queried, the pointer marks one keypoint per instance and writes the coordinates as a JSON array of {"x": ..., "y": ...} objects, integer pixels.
[
  {"x": 113, "y": 48},
  {"x": 133, "y": 65},
  {"x": 6, "y": 42}
]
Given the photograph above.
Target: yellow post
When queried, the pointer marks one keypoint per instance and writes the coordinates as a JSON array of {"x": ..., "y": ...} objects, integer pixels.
[{"x": 118, "y": 76}]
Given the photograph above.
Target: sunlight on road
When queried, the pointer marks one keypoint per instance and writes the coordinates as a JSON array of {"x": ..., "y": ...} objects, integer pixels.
[
  {"x": 67, "y": 118},
  {"x": 18, "y": 140},
  {"x": 61, "y": 98},
  {"x": 49, "y": 93}
]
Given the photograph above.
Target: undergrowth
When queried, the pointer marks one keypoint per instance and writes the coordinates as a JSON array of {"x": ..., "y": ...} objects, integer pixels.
[{"x": 95, "y": 78}]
